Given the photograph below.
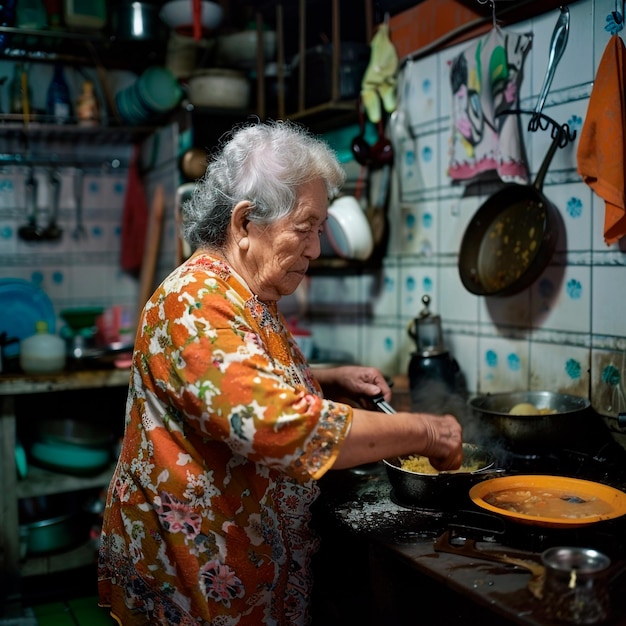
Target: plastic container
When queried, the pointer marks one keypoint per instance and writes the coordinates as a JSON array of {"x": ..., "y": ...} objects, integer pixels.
[
  {"x": 155, "y": 92},
  {"x": 42, "y": 353},
  {"x": 85, "y": 13},
  {"x": 31, "y": 14}
]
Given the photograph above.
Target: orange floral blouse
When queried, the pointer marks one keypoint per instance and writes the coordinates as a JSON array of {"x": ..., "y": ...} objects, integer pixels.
[{"x": 226, "y": 433}]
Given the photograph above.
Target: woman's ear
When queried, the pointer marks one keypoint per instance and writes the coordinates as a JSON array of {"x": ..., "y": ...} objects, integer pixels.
[{"x": 239, "y": 223}]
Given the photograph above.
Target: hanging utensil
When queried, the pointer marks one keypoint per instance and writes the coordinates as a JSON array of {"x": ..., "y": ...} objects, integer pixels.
[
  {"x": 79, "y": 230},
  {"x": 557, "y": 47},
  {"x": 30, "y": 231},
  {"x": 52, "y": 231}
]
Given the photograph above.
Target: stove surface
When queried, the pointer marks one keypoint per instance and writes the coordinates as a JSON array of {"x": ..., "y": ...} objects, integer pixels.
[{"x": 360, "y": 503}]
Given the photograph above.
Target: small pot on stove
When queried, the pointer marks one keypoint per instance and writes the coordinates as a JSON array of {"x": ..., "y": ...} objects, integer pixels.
[
  {"x": 574, "y": 589},
  {"x": 434, "y": 375}
]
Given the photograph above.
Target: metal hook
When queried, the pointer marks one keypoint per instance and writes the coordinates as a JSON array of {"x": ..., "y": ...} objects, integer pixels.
[{"x": 615, "y": 20}]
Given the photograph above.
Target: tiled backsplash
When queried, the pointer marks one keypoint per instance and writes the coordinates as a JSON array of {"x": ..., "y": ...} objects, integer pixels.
[
  {"x": 566, "y": 332},
  {"x": 85, "y": 271}
]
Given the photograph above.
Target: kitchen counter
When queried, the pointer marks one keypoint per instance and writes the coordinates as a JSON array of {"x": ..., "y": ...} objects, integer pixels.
[{"x": 406, "y": 576}]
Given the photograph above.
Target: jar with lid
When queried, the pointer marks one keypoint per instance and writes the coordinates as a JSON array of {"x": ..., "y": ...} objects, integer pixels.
[{"x": 43, "y": 352}]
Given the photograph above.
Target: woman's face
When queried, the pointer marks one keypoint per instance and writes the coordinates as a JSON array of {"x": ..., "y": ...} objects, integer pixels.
[{"x": 278, "y": 255}]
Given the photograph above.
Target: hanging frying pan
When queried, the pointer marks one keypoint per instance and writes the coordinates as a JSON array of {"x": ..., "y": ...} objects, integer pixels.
[{"x": 511, "y": 238}]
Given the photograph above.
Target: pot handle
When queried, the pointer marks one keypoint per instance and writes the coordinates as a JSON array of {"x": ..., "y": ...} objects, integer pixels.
[{"x": 383, "y": 405}]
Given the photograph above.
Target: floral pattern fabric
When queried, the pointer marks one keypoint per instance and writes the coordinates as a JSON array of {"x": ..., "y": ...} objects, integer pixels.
[{"x": 226, "y": 434}]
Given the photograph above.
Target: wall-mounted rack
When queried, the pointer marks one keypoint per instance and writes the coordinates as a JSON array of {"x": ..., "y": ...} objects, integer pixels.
[{"x": 540, "y": 121}]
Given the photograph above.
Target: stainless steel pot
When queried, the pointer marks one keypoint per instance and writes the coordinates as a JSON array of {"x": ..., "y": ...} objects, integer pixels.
[
  {"x": 531, "y": 433},
  {"x": 136, "y": 21},
  {"x": 444, "y": 490}
]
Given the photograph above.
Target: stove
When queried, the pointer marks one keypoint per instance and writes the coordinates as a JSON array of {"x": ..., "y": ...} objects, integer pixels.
[{"x": 395, "y": 543}]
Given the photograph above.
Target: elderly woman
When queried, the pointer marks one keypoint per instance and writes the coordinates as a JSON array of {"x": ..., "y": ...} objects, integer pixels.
[{"x": 227, "y": 428}]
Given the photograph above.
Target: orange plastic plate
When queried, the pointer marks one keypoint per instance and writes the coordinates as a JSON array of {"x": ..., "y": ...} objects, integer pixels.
[{"x": 574, "y": 487}]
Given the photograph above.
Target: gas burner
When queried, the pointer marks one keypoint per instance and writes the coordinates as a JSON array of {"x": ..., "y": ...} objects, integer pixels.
[{"x": 608, "y": 537}]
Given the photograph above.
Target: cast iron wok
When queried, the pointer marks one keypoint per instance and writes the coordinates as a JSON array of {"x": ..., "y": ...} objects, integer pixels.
[{"x": 511, "y": 238}]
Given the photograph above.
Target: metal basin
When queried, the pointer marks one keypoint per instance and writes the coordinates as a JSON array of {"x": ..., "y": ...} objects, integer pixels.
[
  {"x": 531, "y": 433},
  {"x": 444, "y": 490}
]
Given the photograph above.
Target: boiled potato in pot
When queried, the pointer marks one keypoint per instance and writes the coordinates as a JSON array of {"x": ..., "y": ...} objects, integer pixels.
[{"x": 526, "y": 408}]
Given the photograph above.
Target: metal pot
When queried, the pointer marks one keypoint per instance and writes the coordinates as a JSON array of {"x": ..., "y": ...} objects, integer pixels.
[
  {"x": 531, "y": 433},
  {"x": 137, "y": 21},
  {"x": 443, "y": 490}
]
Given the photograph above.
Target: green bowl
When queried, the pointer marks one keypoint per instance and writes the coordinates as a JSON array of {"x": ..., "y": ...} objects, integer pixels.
[{"x": 80, "y": 318}]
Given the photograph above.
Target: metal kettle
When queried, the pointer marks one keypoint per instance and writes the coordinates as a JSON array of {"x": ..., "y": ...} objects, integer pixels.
[{"x": 434, "y": 375}]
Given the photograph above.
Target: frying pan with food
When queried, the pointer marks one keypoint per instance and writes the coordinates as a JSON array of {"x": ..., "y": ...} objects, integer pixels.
[{"x": 511, "y": 238}]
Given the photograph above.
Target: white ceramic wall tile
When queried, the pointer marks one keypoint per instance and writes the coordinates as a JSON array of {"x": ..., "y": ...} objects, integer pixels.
[
  {"x": 419, "y": 228},
  {"x": 8, "y": 236},
  {"x": 574, "y": 202},
  {"x": 338, "y": 342},
  {"x": 598, "y": 242},
  {"x": 415, "y": 282},
  {"x": 503, "y": 364},
  {"x": 333, "y": 290},
  {"x": 125, "y": 289},
  {"x": 559, "y": 368},
  {"x": 464, "y": 349},
  {"x": 385, "y": 297},
  {"x": 506, "y": 311},
  {"x": 409, "y": 174},
  {"x": 561, "y": 299},
  {"x": 94, "y": 193},
  {"x": 428, "y": 160},
  {"x": 454, "y": 216},
  {"x": 7, "y": 190},
  {"x": 609, "y": 301},
  {"x": 423, "y": 91},
  {"x": 379, "y": 348},
  {"x": 454, "y": 301}
]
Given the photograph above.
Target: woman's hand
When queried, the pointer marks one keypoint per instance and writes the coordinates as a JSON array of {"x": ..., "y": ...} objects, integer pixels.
[
  {"x": 374, "y": 436},
  {"x": 353, "y": 382}
]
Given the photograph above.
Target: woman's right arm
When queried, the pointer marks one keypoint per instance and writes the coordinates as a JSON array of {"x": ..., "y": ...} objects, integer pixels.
[{"x": 374, "y": 436}]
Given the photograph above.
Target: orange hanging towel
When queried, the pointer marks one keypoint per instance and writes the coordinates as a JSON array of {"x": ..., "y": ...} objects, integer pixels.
[{"x": 602, "y": 145}]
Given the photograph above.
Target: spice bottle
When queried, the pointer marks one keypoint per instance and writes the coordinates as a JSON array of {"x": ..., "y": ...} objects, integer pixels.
[
  {"x": 58, "y": 105},
  {"x": 87, "y": 110}
]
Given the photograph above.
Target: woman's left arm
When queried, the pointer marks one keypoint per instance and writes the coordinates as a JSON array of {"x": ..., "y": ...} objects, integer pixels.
[{"x": 353, "y": 382}]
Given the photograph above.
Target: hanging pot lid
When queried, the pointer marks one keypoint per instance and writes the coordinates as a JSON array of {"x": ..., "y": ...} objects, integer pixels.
[{"x": 571, "y": 502}]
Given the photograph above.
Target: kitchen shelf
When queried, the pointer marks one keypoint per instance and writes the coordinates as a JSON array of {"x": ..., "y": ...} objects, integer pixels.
[
  {"x": 39, "y": 481},
  {"x": 78, "y": 556},
  {"x": 79, "y": 48}
]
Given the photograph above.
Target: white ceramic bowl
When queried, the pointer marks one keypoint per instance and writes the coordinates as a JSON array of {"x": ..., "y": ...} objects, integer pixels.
[
  {"x": 240, "y": 49},
  {"x": 179, "y": 14},
  {"x": 219, "y": 88},
  {"x": 348, "y": 229}
]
